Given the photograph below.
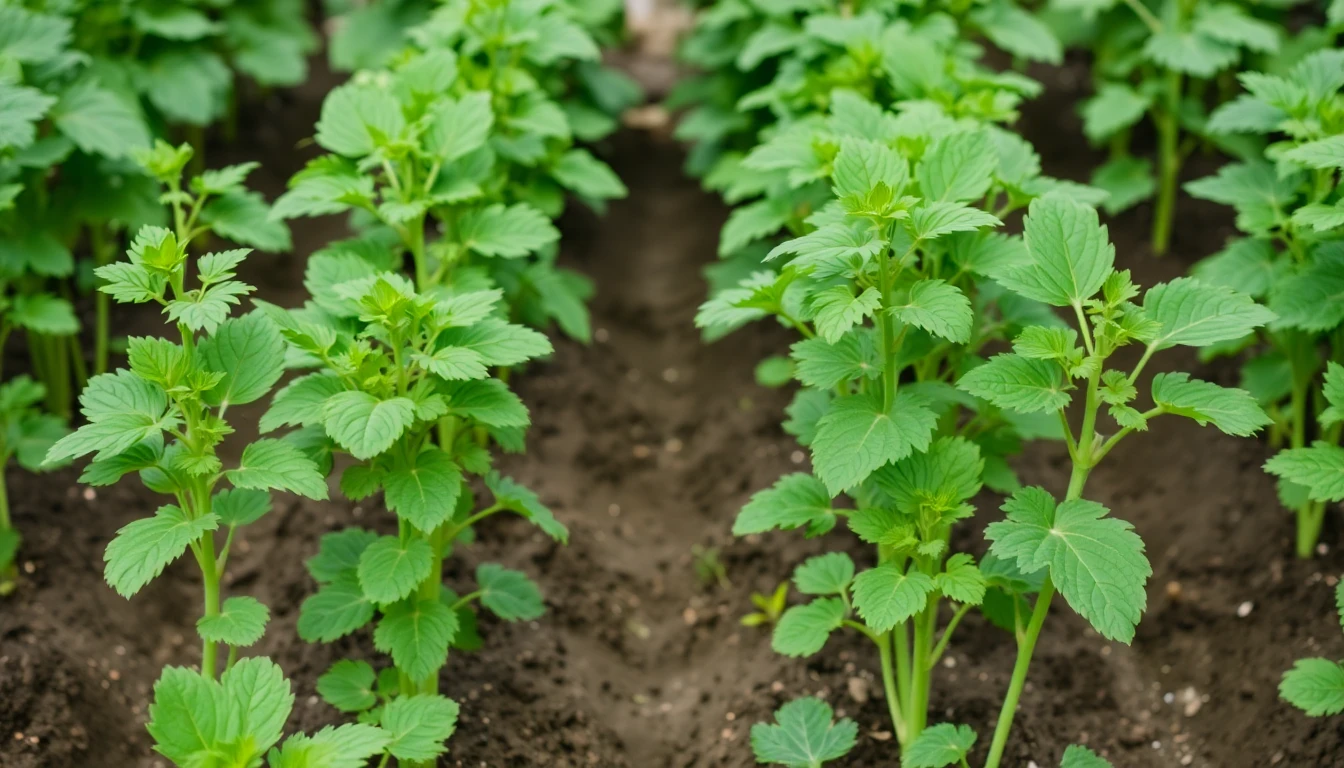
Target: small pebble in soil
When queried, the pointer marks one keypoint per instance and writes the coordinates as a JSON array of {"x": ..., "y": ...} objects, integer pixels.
[
  {"x": 776, "y": 687},
  {"x": 601, "y": 335},
  {"x": 728, "y": 734},
  {"x": 881, "y": 735},
  {"x": 949, "y": 662},
  {"x": 1322, "y": 549},
  {"x": 671, "y": 375},
  {"x": 1174, "y": 590},
  {"x": 1187, "y": 760},
  {"x": 797, "y": 457},
  {"x": 641, "y": 451},
  {"x": 90, "y": 494},
  {"x": 29, "y": 568},
  {"x": 689, "y": 616},
  {"x": 1245, "y": 609},
  {"x": 858, "y": 689},
  {"x": 673, "y": 446}
]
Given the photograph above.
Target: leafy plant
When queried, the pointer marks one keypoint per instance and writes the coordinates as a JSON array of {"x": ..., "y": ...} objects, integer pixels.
[
  {"x": 769, "y": 607},
  {"x": 1290, "y": 210},
  {"x": 473, "y": 144},
  {"x": 709, "y": 568},
  {"x": 1316, "y": 686},
  {"x": 403, "y": 387},
  {"x": 165, "y": 418},
  {"x": 1161, "y": 59},
  {"x": 26, "y": 433}
]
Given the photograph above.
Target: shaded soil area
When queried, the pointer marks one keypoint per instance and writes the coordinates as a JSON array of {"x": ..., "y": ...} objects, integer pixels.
[{"x": 646, "y": 444}]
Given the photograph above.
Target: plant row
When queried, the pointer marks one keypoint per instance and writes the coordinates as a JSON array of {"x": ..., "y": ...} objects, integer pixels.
[
  {"x": 450, "y": 155},
  {"x": 868, "y": 156}
]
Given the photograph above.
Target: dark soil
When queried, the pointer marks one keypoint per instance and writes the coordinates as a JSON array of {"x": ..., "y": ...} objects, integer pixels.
[{"x": 646, "y": 443}]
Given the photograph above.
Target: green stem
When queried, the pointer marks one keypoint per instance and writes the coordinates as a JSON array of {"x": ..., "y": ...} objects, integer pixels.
[
  {"x": 102, "y": 302},
  {"x": 893, "y": 694},
  {"x": 9, "y": 577},
  {"x": 901, "y": 640},
  {"x": 922, "y": 674},
  {"x": 1310, "y": 519},
  {"x": 951, "y": 627},
  {"x": 1019, "y": 679},
  {"x": 1169, "y": 163},
  {"x": 210, "y": 580}
]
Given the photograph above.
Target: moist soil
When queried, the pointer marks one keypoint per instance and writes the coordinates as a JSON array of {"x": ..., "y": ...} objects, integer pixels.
[{"x": 646, "y": 443}]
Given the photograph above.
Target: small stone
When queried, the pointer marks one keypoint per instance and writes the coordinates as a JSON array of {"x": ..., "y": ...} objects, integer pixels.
[
  {"x": 689, "y": 616},
  {"x": 90, "y": 494},
  {"x": 673, "y": 446},
  {"x": 614, "y": 510},
  {"x": 776, "y": 687},
  {"x": 601, "y": 335},
  {"x": 858, "y": 689},
  {"x": 671, "y": 376},
  {"x": 665, "y": 707},
  {"x": 728, "y": 734},
  {"x": 1174, "y": 590},
  {"x": 29, "y": 568},
  {"x": 1276, "y": 759},
  {"x": 1322, "y": 549},
  {"x": 114, "y": 674},
  {"x": 797, "y": 457},
  {"x": 1187, "y": 760},
  {"x": 1245, "y": 609},
  {"x": 641, "y": 452},
  {"x": 950, "y": 662},
  {"x": 881, "y": 735}
]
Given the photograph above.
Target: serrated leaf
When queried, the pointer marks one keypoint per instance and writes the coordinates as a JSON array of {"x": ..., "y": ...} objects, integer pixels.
[
  {"x": 804, "y": 629},
  {"x": 424, "y": 493},
  {"x": 364, "y": 425},
  {"x": 1322, "y": 154},
  {"x": 1071, "y": 254},
  {"x": 419, "y": 726},
  {"x": 458, "y": 127},
  {"x": 820, "y": 364},
  {"x": 1115, "y": 108},
  {"x": 827, "y": 574},
  {"x": 141, "y": 550},
  {"x": 338, "y": 554},
  {"x": 278, "y": 464},
  {"x": 1315, "y": 686},
  {"x": 939, "y": 746},
  {"x": 348, "y": 686},
  {"x": 241, "y": 622},
  {"x": 1233, "y": 411},
  {"x": 958, "y": 167},
  {"x": 515, "y": 497},
  {"x": 1196, "y": 314},
  {"x": 933, "y": 220},
  {"x": 250, "y": 352},
  {"x": 862, "y": 165},
  {"x": 886, "y": 595},
  {"x": 508, "y": 594},
  {"x": 1018, "y": 383},
  {"x": 859, "y": 434},
  {"x": 390, "y": 569},
  {"x": 961, "y": 580},
  {"x": 795, "y": 501},
  {"x": 1318, "y": 467},
  {"x": 937, "y": 307},
  {"x": 336, "y": 610},
  {"x": 300, "y": 402},
  {"x": 837, "y": 310},
  {"x": 506, "y": 231},
  {"x": 1082, "y": 757},
  {"x": 416, "y": 633},
  {"x": 805, "y": 736}
]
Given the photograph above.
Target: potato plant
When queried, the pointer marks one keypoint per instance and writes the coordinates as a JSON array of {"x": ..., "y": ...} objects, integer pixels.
[
  {"x": 1161, "y": 61},
  {"x": 1291, "y": 216},
  {"x": 165, "y": 418}
]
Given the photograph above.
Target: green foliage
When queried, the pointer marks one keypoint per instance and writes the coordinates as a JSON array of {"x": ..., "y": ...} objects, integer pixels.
[
  {"x": 1316, "y": 686},
  {"x": 805, "y": 736}
]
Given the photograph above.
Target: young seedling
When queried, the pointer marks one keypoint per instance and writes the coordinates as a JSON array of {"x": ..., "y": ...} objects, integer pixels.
[
  {"x": 709, "y": 569},
  {"x": 769, "y": 607},
  {"x": 1316, "y": 686},
  {"x": 403, "y": 386},
  {"x": 1183, "y": 47},
  {"x": 1289, "y": 207},
  {"x": 26, "y": 434},
  {"x": 468, "y": 146},
  {"x": 1094, "y": 560},
  {"x": 166, "y": 417}
]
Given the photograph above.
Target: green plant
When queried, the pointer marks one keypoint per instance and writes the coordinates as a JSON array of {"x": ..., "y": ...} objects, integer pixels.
[
  {"x": 468, "y": 147},
  {"x": 165, "y": 418},
  {"x": 769, "y": 607},
  {"x": 403, "y": 387},
  {"x": 1316, "y": 686},
  {"x": 709, "y": 569},
  {"x": 1290, "y": 209},
  {"x": 26, "y": 434},
  {"x": 1161, "y": 59}
]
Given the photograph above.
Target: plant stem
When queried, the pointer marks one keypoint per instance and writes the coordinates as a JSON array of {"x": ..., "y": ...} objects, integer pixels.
[
  {"x": 210, "y": 581},
  {"x": 1169, "y": 163},
  {"x": 1019, "y": 679},
  {"x": 922, "y": 674},
  {"x": 9, "y": 577},
  {"x": 893, "y": 694},
  {"x": 102, "y": 302}
]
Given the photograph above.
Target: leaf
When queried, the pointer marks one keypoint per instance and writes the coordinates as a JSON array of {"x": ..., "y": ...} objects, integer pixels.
[
  {"x": 357, "y": 118},
  {"x": 348, "y": 686},
  {"x": 1018, "y": 383},
  {"x": 425, "y": 493},
  {"x": 1097, "y": 562},
  {"x": 1082, "y": 757},
  {"x": 141, "y": 550},
  {"x": 245, "y": 218},
  {"x": 803, "y": 629},
  {"x": 515, "y": 497},
  {"x": 862, "y": 165},
  {"x": 336, "y": 610},
  {"x": 390, "y": 569},
  {"x": 29, "y": 37},
  {"x": 508, "y": 594},
  {"x": 507, "y": 232},
  {"x": 345, "y": 746},
  {"x": 805, "y": 737},
  {"x": 1189, "y": 52},
  {"x": 417, "y": 634},
  {"x": 419, "y": 726},
  {"x": 185, "y": 717},
  {"x": 933, "y": 220},
  {"x": 586, "y": 176},
  {"x": 939, "y": 308},
  {"x": 338, "y": 554},
  {"x": 1196, "y": 314},
  {"x": 1126, "y": 181},
  {"x": 1019, "y": 32},
  {"x": 886, "y": 596},
  {"x": 259, "y": 700},
  {"x": 44, "y": 313},
  {"x": 488, "y": 402},
  {"x": 20, "y": 110},
  {"x": 837, "y": 310},
  {"x": 939, "y": 746},
  {"x": 936, "y": 480},
  {"x": 961, "y": 580},
  {"x": 1115, "y": 108},
  {"x": 250, "y": 352},
  {"x": 820, "y": 364},
  {"x": 300, "y": 402},
  {"x": 458, "y": 127},
  {"x": 1233, "y": 411},
  {"x": 1315, "y": 686},
  {"x": 859, "y": 435},
  {"x": 1322, "y": 154},
  {"x": 958, "y": 167},
  {"x": 1333, "y": 390},
  {"x": 364, "y": 425},
  {"x": 1319, "y": 467},
  {"x": 278, "y": 464},
  {"x": 1071, "y": 254},
  {"x": 827, "y": 574},
  {"x": 241, "y": 622},
  {"x": 796, "y": 500},
  {"x": 98, "y": 121},
  {"x": 498, "y": 342}
]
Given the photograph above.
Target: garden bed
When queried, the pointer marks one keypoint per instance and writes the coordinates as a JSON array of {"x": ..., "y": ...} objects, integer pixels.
[{"x": 646, "y": 444}]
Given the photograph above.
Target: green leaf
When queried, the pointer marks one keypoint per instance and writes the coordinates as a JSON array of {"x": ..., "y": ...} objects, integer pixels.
[
  {"x": 419, "y": 726},
  {"x": 123, "y": 410},
  {"x": 751, "y": 222},
  {"x": 1126, "y": 181},
  {"x": 586, "y": 176},
  {"x": 1315, "y": 686},
  {"x": 259, "y": 702},
  {"x": 803, "y": 629},
  {"x": 837, "y": 310},
  {"x": 241, "y": 622},
  {"x": 29, "y": 37},
  {"x": 141, "y": 550},
  {"x": 1319, "y": 467},
  {"x": 1018, "y": 383},
  {"x": 862, "y": 165},
  {"x": 488, "y": 402},
  {"x": 939, "y": 308},
  {"x": 1082, "y": 757},
  {"x": 278, "y": 464},
  {"x": 827, "y": 574},
  {"x": 1097, "y": 562},
  {"x": 459, "y": 127},
  {"x": 336, "y": 610},
  {"x": 507, "y": 232},
  {"x": 338, "y": 554},
  {"x": 250, "y": 352},
  {"x": 1312, "y": 298},
  {"x": 417, "y": 634},
  {"x": 1196, "y": 314},
  {"x": 795, "y": 501},
  {"x": 961, "y": 580},
  {"x": 805, "y": 737},
  {"x": 357, "y": 118},
  {"x": 44, "y": 313},
  {"x": 1019, "y": 32},
  {"x": 508, "y": 594},
  {"x": 1115, "y": 108},
  {"x": 426, "y": 492},
  {"x": 187, "y": 715},
  {"x": 98, "y": 121},
  {"x": 820, "y": 364},
  {"x": 390, "y": 569},
  {"x": 1233, "y": 411},
  {"x": 515, "y": 497},
  {"x": 859, "y": 435},
  {"x": 1333, "y": 389},
  {"x": 300, "y": 403},
  {"x": 20, "y": 110},
  {"x": 936, "y": 480},
  {"x": 1071, "y": 254},
  {"x": 364, "y": 425},
  {"x": 245, "y": 218},
  {"x": 498, "y": 342},
  {"x": 939, "y": 746},
  {"x": 345, "y": 746},
  {"x": 1189, "y": 52},
  {"x": 933, "y": 220},
  {"x": 1323, "y": 154},
  {"x": 886, "y": 596},
  {"x": 958, "y": 167},
  {"x": 348, "y": 686}
]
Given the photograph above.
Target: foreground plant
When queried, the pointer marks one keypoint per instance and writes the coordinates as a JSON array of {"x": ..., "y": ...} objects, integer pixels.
[
  {"x": 403, "y": 387},
  {"x": 1290, "y": 210},
  {"x": 1183, "y": 47},
  {"x": 165, "y": 418},
  {"x": 1316, "y": 686}
]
